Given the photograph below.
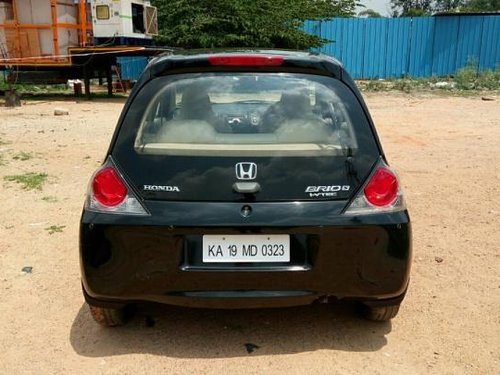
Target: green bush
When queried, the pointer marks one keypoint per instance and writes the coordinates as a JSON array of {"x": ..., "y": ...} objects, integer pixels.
[
  {"x": 469, "y": 78},
  {"x": 405, "y": 85},
  {"x": 374, "y": 85},
  {"x": 466, "y": 78},
  {"x": 489, "y": 80}
]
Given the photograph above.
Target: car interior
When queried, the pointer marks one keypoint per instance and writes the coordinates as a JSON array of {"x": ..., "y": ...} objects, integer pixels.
[{"x": 203, "y": 117}]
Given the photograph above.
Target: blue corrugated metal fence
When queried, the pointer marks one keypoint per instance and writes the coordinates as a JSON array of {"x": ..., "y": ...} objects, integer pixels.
[
  {"x": 416, "y": 47},
  {"x": 131, "y": 67},
  {"x": 396, "y": 47}
]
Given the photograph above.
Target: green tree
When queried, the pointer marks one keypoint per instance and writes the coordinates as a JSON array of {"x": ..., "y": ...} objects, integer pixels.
[
  {"x": 414, "y": 8},
  {"x": 369, "y": 13},
  {"x": 411, "y": 8},
  {"x": 448, "y": 5},
  {"x": 482, "y": 6},
  {"x": 243, "y": 23}
]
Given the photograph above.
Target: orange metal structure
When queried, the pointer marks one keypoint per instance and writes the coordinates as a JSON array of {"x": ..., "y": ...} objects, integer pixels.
[
  {"x": 52, "y": 41},
  {"x": 22, "y": 42}
]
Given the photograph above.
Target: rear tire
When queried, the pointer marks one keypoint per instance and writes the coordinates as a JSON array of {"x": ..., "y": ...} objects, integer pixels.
[
  {"x": 108, "y": 317},
  {"x": 380, "y": 313}
]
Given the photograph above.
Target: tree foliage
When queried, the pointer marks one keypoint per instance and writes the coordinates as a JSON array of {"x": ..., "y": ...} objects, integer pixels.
[
  {"x": 369, "y": 13},
  {"x": 448, "y": 5},
  {"x": 243, "y": 23},
  {"x": 482, "y": 6},
  {"x": 413, "y": 8}
]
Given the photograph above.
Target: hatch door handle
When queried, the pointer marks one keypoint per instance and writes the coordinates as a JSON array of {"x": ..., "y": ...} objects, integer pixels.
[{"x": 246, "y": 187}]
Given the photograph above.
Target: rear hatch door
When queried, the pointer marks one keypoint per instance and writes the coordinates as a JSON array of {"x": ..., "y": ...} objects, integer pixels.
[{"x": 285, "y": 136}]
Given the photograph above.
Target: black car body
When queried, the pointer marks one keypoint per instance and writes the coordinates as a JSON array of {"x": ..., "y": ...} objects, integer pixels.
[{"x": 244, "y": 179}]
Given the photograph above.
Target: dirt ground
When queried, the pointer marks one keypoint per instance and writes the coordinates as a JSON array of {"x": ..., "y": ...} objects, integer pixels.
[{"x": 447, "y": 151}]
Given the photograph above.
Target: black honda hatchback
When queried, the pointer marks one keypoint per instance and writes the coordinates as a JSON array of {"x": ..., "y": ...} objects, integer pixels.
[{"x": 244, "y": 179}]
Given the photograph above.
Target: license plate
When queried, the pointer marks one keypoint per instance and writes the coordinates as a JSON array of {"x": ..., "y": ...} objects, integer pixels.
[{"x": 246, "y": 248}]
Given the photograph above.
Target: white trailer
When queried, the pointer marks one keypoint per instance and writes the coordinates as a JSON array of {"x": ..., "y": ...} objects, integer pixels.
[{"x": 124, "y": 19}]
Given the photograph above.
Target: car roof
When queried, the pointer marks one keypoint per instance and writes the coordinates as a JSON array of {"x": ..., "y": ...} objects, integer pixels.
[{"x": 198, "y": 60}]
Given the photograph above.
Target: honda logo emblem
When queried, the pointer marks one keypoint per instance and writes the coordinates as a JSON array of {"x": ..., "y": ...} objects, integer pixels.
[{"x": 246, "y": 171}]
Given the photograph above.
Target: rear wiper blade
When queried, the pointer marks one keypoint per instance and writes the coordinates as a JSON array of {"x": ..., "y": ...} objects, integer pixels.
[
  {"x": 347, "y": 150},
  {"x": 351, "y": 171}
]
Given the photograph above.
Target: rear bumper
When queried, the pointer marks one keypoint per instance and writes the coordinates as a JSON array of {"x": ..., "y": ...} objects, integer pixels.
[{"x": 360, "y": 260}]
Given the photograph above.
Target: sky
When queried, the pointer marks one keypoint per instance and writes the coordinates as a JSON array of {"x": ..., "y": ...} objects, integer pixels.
[{"x": 381, "y": 6}]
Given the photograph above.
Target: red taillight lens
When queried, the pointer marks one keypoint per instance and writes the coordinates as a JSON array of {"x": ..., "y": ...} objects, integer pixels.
[
  {"x": 108, "y": 188},
  {"x": 382, "y": 190},
  {"x": 246, "y": 60}
]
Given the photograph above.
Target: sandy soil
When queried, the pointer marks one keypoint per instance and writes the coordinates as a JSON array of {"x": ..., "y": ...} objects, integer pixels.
[{"x": 447, "y": 151}]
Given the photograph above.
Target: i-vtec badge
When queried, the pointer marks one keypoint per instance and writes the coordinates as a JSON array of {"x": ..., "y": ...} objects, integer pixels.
[
  {"x": 326, "y": 191},
  {"x": 170, "y": 189}
]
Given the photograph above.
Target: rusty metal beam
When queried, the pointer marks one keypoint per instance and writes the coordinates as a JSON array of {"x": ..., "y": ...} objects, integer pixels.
[
  {"x": 55, "y": 31},
  {"x": 17, "y": 42},
  {"x": 39, "y": 26},
  {"x": 83, "y": 22}
]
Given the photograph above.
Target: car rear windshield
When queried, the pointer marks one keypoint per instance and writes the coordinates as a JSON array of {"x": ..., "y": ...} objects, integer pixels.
[{"x": 248, "y": 114}]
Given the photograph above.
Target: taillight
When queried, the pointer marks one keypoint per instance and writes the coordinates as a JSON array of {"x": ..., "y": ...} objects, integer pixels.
[
  {"x": 381, "y": 193},
  {"x": 108, "y": 188},
  {"x": 382, "y": 189},
  {"x": 246, "y": 60},
  {"x": 109, "y": 193}
]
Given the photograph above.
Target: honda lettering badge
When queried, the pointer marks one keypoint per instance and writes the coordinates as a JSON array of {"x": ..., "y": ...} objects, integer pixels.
[{"x": 246, "y": 171}]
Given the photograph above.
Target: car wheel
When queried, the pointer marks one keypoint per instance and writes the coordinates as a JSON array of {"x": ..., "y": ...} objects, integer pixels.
[
  {"x": 108, "y": 317},
  {"x": 380, "y": 313}
]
